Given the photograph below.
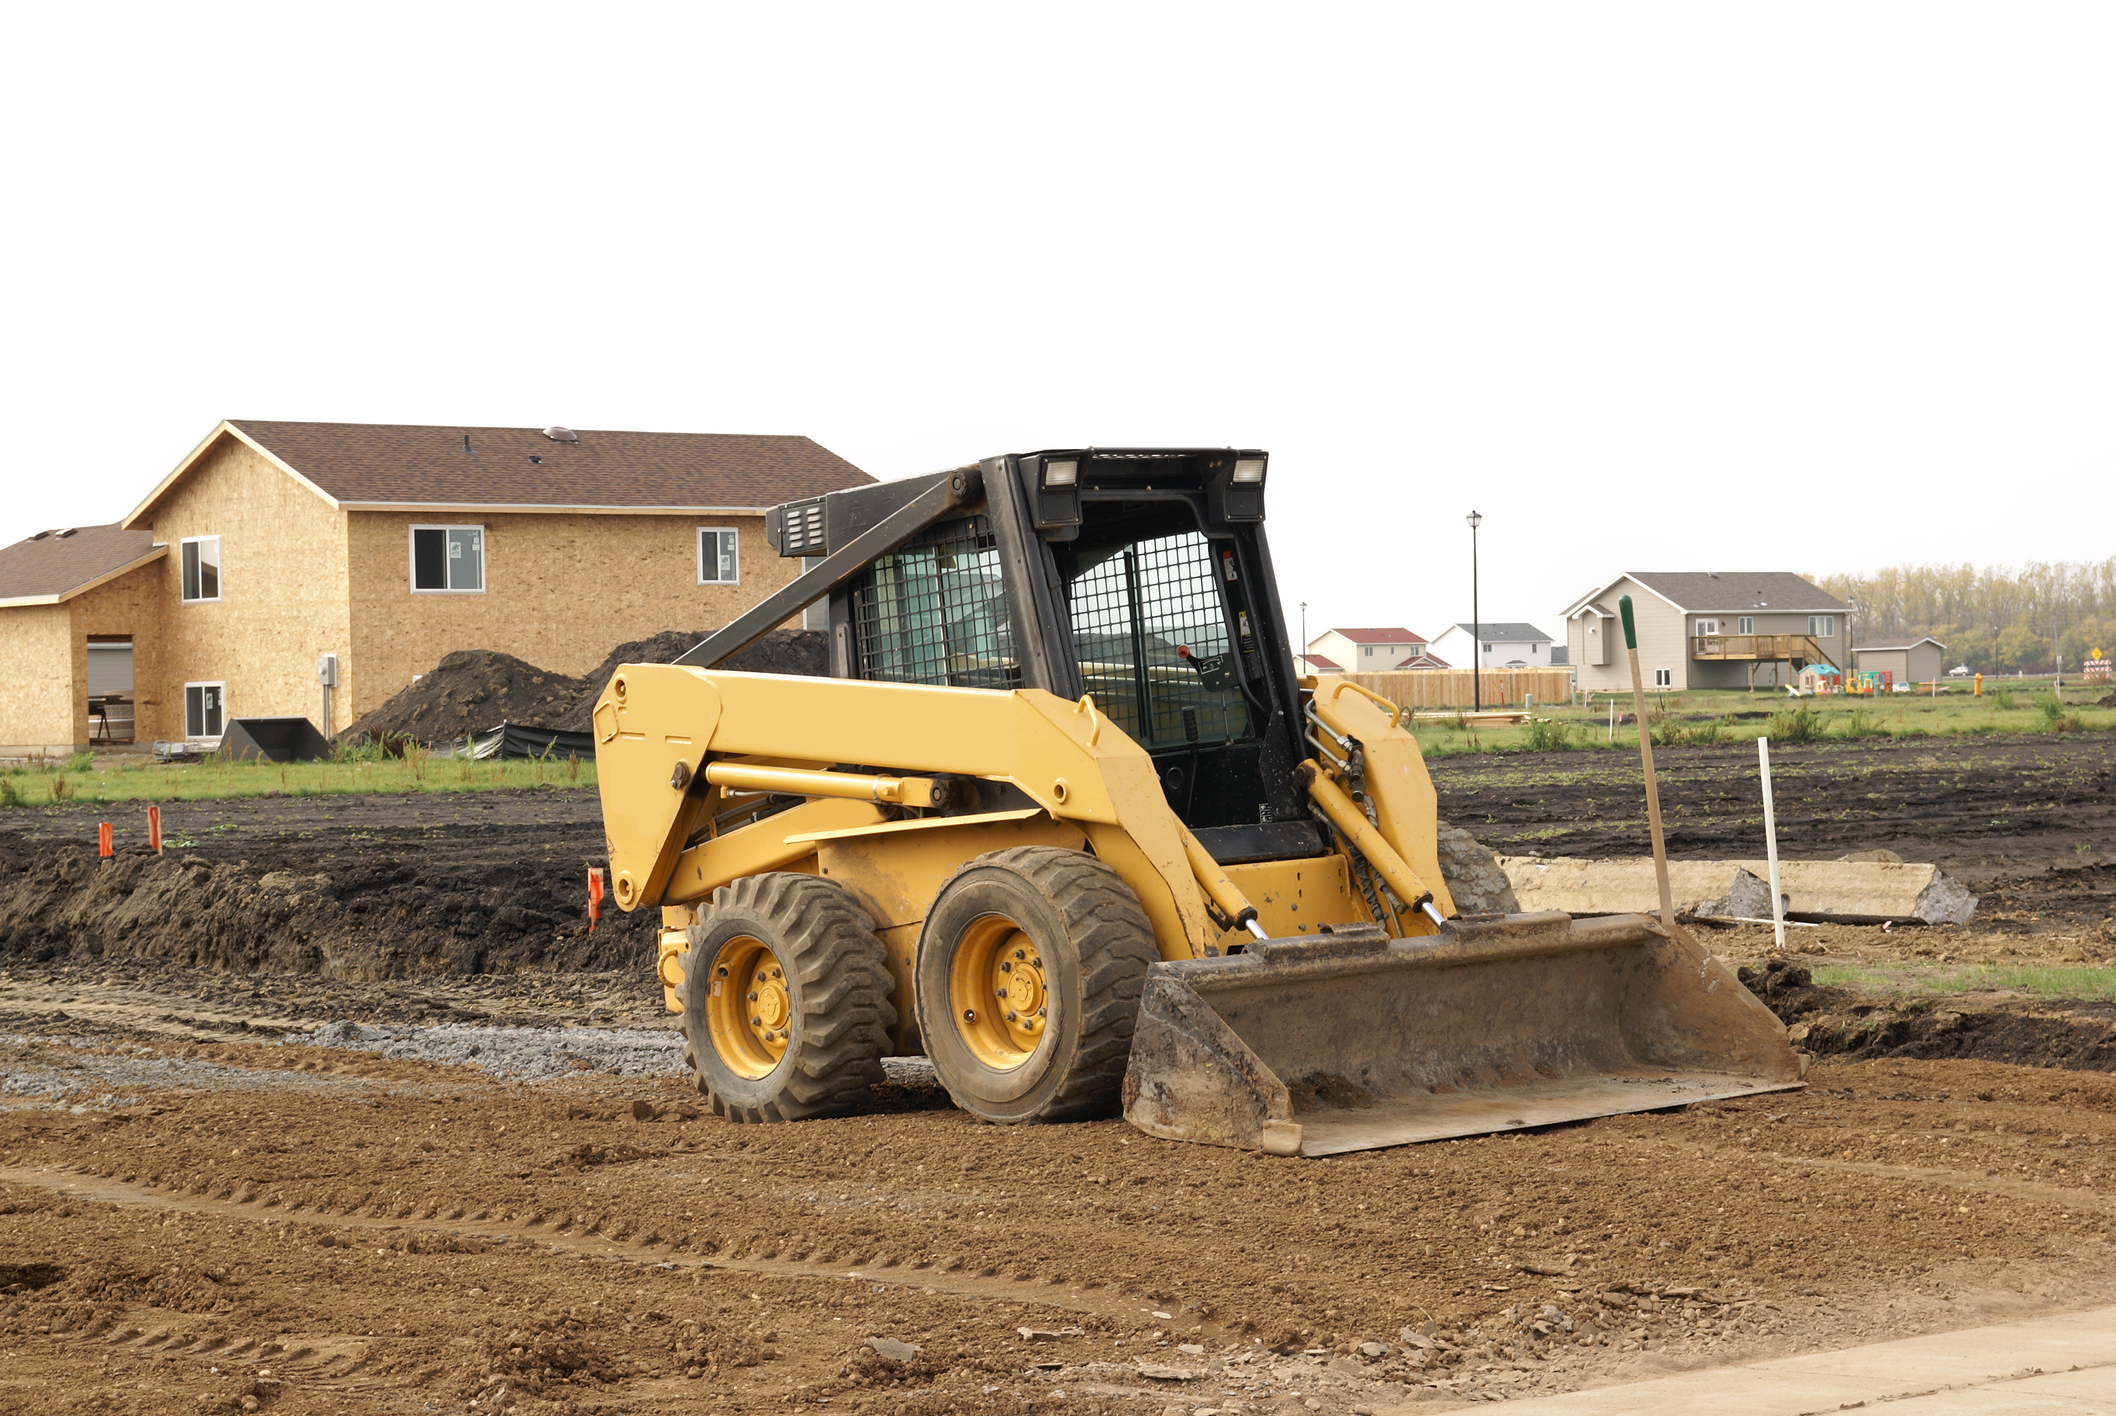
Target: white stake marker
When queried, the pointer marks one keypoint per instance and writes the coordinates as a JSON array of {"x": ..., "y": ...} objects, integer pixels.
[{"x": 1770, "y": 840}]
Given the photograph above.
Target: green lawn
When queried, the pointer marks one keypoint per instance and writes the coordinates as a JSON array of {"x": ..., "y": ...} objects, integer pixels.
[
  {"x": 2083, "y": 981},
  {"x": 1737, "y": 715},
  {"x": 147, "y": 781}
]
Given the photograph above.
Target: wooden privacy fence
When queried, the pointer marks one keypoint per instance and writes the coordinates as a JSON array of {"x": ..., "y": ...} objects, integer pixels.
[{"x": 1451, "y": 688}]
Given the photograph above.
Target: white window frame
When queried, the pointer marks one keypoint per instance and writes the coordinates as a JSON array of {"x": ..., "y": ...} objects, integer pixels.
[
  {"x": 698, "y": 546},
  {"x": 220, "y": 571},
  {"x": 1664, "y": 678},
  {"x": 411, "y": 552},
  {"x": 1828, "y": 625},
  {"x": 1745, "y": 624},
  {"x": 189, "y": 736},
  {"x": 1708, "y": 626}
]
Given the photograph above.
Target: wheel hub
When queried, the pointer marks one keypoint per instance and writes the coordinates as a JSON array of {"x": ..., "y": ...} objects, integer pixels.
[
  {"x": 998, "y": 993},
  {"x": 749, "y": 1011}
]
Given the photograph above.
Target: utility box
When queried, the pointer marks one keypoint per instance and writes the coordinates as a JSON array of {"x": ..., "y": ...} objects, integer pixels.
[{"x": 327, "y": 670}]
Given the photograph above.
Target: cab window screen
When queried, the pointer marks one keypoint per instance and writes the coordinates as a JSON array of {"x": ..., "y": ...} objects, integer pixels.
[
  {"x": 1134, "y": 611},
  {"x": 935, "y": 611}
]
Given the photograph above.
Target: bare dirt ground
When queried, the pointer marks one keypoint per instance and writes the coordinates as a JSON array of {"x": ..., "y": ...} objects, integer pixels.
[
  {"x": 194, "y": 1211},
  {"x": 325, "y": 1230}
]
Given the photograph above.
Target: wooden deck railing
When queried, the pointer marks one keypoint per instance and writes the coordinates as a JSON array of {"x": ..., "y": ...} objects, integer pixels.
[{"x": 1786, "y": 647}]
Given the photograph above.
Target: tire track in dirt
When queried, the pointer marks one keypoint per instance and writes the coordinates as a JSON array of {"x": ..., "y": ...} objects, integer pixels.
[{"x": 574, "y": 1235}]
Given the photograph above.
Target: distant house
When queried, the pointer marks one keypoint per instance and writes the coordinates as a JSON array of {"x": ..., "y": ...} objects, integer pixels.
[
  {"x": 1495, "y": 646},
  {"x": 1423, "y": 659},
  {"x": 1919, "y": 661},
  {"x": 1364, "y": 651},
  {"x": 1318, "y": 664},
  {"x": 273, "y": 545},
  {"x": 1706, "y": 629}
]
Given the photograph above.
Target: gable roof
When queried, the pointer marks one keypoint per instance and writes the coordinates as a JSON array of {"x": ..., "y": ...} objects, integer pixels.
[
  {"x": 1423, "y": 659},
  {"x": 378, "y": 466},
  {"x": 1320, "y": 661},
  {"x": 52, "y": 567},
  {"x": 1379, "y": 636},
  {"x": 1505, "y": 633},
  {"x": 1726, "y": 592},
  {"x": 1882, "y": 648}
]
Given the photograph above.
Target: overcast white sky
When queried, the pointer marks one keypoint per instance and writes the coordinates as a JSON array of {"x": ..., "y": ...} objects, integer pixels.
[{"x": 1690, "y": 286}]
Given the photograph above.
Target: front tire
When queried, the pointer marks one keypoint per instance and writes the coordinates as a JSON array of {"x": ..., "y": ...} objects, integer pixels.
[
  {"x": 786, "y": 1000},
  {"x": 1028, "y": 978}
]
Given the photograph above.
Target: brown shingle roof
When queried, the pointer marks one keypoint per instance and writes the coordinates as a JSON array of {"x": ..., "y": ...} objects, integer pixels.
[
  {"x": 1379, "y": 636},
  {"x": 49, "y": 566},
  {"x": 386, "y": 464},
  {"x": 1734, "y": 591}
]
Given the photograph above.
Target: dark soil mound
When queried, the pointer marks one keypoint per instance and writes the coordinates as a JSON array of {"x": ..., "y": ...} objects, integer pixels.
[
  {"x": 783, "y": 651},
  {"x": 469, "y": 691},
  {"x": 475, "y": 689},
  {"x": 1832, "y": 1023},
  {"x": 293, "y": 911}
]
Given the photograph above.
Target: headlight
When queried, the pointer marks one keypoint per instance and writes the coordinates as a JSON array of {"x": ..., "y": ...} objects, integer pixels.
[
  {"x": 1066, "y": 474},
  {"x": 1249, "y": 469}
]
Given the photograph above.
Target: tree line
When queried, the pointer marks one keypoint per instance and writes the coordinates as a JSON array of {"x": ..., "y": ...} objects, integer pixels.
[{"x": 1995, "y": 620}]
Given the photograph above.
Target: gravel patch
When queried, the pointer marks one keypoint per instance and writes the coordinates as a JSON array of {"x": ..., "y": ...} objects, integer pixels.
[{"x": 543, "y": 1054}]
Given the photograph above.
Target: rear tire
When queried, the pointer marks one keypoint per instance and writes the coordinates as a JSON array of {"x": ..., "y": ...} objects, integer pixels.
[
  {"x": 1028, "y": 978},
  {"x": 786, "y": 1000}
]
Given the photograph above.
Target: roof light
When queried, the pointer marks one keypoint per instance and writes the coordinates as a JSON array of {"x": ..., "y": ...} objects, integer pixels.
[
  {"x": 1249, "y": 469},
  {"x": 1061, "y": 474},
  {"x": 558, "y": 434}
]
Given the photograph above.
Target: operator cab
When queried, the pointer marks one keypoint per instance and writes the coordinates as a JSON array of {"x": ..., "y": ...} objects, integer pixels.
[{"x": 1139, "y": 577}]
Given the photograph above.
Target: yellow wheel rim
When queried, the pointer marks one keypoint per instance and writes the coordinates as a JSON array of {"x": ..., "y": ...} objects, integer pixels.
[
  {"x": 749, "y": 1013},
  {"x": 997, "y": 992}
]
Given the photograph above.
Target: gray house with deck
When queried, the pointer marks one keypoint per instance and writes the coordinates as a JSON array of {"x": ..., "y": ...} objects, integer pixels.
[{"x": 1707, "y": 629}]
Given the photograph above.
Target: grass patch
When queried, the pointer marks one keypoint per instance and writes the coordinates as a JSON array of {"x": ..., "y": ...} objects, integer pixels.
[
  {"x": 2086, "y": 981},
  {"x": 346, "y": 775}
]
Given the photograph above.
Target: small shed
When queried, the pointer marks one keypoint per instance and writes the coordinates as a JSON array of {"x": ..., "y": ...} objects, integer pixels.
[{"x": 1919, "y": 661}]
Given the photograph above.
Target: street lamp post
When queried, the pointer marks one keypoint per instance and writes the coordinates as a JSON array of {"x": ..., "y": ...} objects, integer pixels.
[
  {"x": 1306, "y": 667},
  {"x": 1476, "y": 624}
]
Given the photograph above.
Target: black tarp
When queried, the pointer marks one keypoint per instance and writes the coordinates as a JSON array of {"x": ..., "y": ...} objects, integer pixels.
[
  {"x": 515, "y": 740},
  {"x": 273, "y": 740}
]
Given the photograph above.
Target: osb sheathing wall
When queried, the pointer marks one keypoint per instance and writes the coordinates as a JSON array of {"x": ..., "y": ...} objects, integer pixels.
[
  {"x": 283, "y": 600},
  {"x": 561, "y": 590},
  {"x": 36, "y": 702},
  {"x": 130, "y": 604}
]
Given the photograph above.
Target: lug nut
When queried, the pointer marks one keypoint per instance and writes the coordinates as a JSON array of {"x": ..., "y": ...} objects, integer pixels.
[
  {"x": 753, "y": 995},
  {"x": 1019, "y": 954},
  {"x": 775, "y": 973},
  {"x": 999, "y": 993},
  {"x": 969, "y": 1015},
  {"x": 1007, "y": 967},
  {"x": 1011, "y": 1016}
]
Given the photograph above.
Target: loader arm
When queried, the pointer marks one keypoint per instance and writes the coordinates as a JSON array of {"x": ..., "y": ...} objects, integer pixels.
[{"x": 660, "y": 728}]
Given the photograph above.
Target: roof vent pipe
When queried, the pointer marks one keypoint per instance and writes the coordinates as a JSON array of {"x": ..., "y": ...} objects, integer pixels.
[
  {"x": 466, "y": 442},
  {"x": 558, "y": 434}
]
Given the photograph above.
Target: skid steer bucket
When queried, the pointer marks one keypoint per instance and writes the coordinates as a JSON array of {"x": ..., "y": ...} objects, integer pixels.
[{"x": 1354, "y": 1040}]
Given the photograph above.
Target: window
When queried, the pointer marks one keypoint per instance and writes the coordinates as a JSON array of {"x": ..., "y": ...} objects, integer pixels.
[
  {"x": 447, "y": 559},
  {"x": 1664, "y": 678},
  {"x": 1745, "y": 625},
  {"x": 934, "y": 611},
  {"x": 717, "y": 563},
  {"x": 1822, "y": 626},
  {"x": 201, "y": 557},
  {"x": 1151, "y": 630},
  {"x": 1705, "y": 626},
  {"x": 205, "y": 709}
]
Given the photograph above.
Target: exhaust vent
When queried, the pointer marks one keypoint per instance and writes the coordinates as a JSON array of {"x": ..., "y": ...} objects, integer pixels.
[{"x": 558, "y": 434}]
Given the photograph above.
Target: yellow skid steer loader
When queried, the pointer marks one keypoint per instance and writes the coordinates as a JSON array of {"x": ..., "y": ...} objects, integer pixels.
[{"x": 1064, "y": 820}]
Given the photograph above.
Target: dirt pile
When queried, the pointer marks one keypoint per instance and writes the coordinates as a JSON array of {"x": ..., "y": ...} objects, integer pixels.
[
  {"x": 337, "y": 917},
  {"x": 1835, "y": 1023},
  {"x": 468, "y": 691},
  {"x": 783, "y": 651},
  {"x": 471, "y": 690}
]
